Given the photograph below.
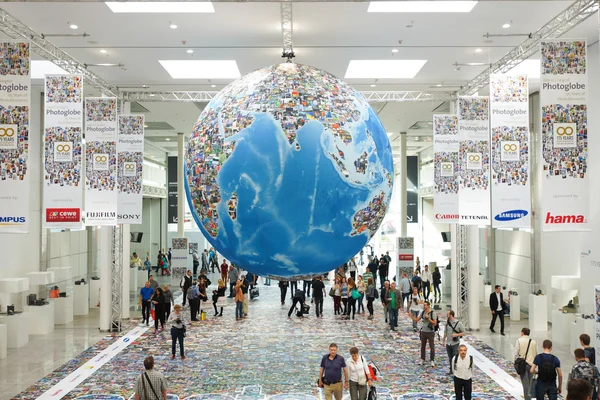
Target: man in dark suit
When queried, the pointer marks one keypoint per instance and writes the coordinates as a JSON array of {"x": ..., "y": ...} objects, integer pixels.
[{"x": 498, "y": 308}]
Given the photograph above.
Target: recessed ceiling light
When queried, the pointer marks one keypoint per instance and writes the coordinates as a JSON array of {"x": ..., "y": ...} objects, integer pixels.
[
  {"x": 438, "y": 85},
  {"x": 394, "y": 50},
  {"x": 384, "y": 69},
  {"x": 422, "y": 6},
  {"x": 184, "y": 7},
  {"x": 190, "y": 51},
  {"x": 173, "y": 26},
  {"x": 151, "y": 95},
  {"x": 41, "y": 68},
  {"x": 373, "y": 85},
  {"x": 213, "y": 86},
  {"x": 73, "y": 26},
  {"x": 477, "y": 50},
  {"x": 201, "y": 69},
  {"x": 103, "y": 51},
  {"x": 167, "y": 139},
  {"x": 506, "y": 26},
  {"x": 531, "y": 68},
  {"x": 475, "y": 64}
]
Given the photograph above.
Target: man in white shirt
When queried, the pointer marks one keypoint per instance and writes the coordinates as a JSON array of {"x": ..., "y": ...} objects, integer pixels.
[
  {"x": 426, "y": 282},
  {"x": 522, "y": 351},
  {"x": 416, "y": 306},
  {"x": 462, "y": 368},
  {"x": 452, "y": 334}
]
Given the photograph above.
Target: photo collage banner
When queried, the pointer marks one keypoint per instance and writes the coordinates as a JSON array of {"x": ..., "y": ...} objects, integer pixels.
[
  {"x": 101, "y": 191},
  {"x": 179, "y": 253},
  {"x": 405, "y": 248},
  {"x": 564, "y": 159},
  {"x": 511, "y": 181},
  {"x": 474, "y": 159},
  {"x": 15, "y": 83},
  {"x": 130, "y": 163},
  {"x": 446, "y": 168},
  {"x": 63, "y": 150}
]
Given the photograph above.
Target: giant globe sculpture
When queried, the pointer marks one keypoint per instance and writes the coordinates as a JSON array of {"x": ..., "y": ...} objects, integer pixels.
[{"x": 289, "y": 171}]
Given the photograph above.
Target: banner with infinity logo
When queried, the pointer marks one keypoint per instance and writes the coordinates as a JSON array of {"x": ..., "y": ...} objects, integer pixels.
[
  {"x": 474, "y": 160},
  {"x": 511, "y": 174},
  {"x": 63, "y": 151},
  {"x": 446, "y": 168},
  {"x": 15, "y": 83},
  {"x": 101, "y": 189},
  {"x": 130, "y": 165},
  {"x": 565, "y": 184}
]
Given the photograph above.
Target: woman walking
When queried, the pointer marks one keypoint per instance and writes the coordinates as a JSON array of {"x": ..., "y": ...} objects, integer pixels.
[
  {"x": 169, "y": 301},
  {"x": 358, "y": 376},
  {"x": 164, "y": 264},
  {"x": 344, "y": 286},
  {"x": 353, "y": 295},
  {"x": 217, "y": 294},
  {"x": 337, "y": 296},
  {"x": 239, "y": 300},
  {"x": 370, "y": 297},
  {"x": 177, "y": 331},
  {"x": 362, "y": 288},
  {"x": 158, "y": 300},
  {"x": 437, "y": 279}
]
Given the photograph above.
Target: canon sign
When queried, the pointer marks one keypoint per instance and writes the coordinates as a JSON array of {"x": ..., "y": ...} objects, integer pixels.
[
  {"x": 125, "y": 217},
  {"x": 564, "y": 219},
  {"x": 446, "y": 216}
]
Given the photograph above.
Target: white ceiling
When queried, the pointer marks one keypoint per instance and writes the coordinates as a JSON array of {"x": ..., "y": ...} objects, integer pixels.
[{"x": 326, "y": 35}]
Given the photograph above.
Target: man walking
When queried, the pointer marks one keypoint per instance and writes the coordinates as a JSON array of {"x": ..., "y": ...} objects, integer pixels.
[
  {"x": 405, "y": 289},
  {"x": 145, "y": 295},
  {"x": 452, "y": 334},
  {"x": 462, "y": 368},
  {"x": 585, "y": 370},
  {"x": 185, "y": 284},
  {"x": 429, "y": 322},
  {"x": 232, "y": 275},
  {"x": 196, "y": 261},
  {"x": 204, "y": 261},
  {"x": 383, "y": 270},
  {"x": 526, "y": 349},
  {"x": 318, "y": 294},
  {"x": 426, "y": 282},
  {"x": 330, "y": 376},
  {"x": 283, "y": 287},
  {"x": 590, "y": 352},
  {"x": 395, "y": 299},
  {"x": 416, "y": 306},
  {"x": 548, "y": 369},
  {"x": 193, "y": 296},
  {"x": 151, "y": 385},
  {"x": 498, "y": 307}
]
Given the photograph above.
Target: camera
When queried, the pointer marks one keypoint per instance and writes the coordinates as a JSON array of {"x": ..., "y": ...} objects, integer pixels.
[{"x": 178, "y": 320}]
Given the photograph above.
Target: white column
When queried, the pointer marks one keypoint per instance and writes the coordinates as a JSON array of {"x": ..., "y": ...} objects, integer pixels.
[
  {"x": 454, "y": 288},
  {"x": 125, "y": 229},
  {"x": 473, "y": 281},
  {"x": 180, "y": 186},
  {"x": 401, "y": 182},
  {"x": 105, "y": 234}
]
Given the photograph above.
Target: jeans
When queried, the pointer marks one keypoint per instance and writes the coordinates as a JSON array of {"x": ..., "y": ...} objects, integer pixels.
[
  {"x": 382, "y": 278},
  {"x": 167, "y": 311},
  {"x": 526, "y": 381},
  {"x": 231, "y": 287},
  {"x": 436, "y": 290},
  {"x": 357, "y": 392},
  {"x": 146, "y": 311},
  {"x": 283, "y": 291},
  {"x": 406, "y": 296},
  {"x": 393, "y": 317},
  {"x": 267, "y": 281},
  {"x": 176, "y": 334},
  {"x": 360, "y": 303},
  {"x": 416, "y": 315},
  {"x": 546, "y": 388},
  {"x": 293, "y": 288},
  {"x": 428, "y": 337},
  {"x": 306, "y": 287},
  {"x": 370, "y": 305},
  {"x": 238, "y": 309},
  {"x": 426, "y": 289},
  {"x": 318, "y": 305},
  {"x": 452, "y": 351},
  {"x": 337, "y": 301},
  {"x": 345, "y": 303},
  {"x": 335, "y": 389},
  {"x": 461, "y": 385},
  {"x": 351, "y": 306},
  {"x": 194, "y": 307}
]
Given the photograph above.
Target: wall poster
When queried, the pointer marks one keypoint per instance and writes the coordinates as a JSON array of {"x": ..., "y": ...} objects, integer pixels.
[
  {"x": 15, "y": 83},
  {"x": 565, "y": 182},
  {"x": 179, "y": 252},
  {"x": 101, "y": 191},
  {"x": 511, "y": 197},
  {"x": 446, "y": 168},
  {"x": 130, "y": 165},
  {"x": 474, "y": 159},
  {"x": 63, "y": 150}
]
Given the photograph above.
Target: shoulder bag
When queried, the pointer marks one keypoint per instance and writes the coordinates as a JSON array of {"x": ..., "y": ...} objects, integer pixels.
[
  {"x": 151, "y": 387},
  {"x": 521, "y": 363}
]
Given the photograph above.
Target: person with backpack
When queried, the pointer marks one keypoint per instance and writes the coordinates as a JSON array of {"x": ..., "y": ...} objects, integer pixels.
[
  {"x": 585, "y": 370},
  {"x": 548, "y": 369},
  {"x": 462, "y": 368},
  {"x": 395, "y": 299},
  {"x": 430, "y": 324},
  {"x": 525, "y": 351},
  {"x": 416, "y": 281},
  {"x": 590, "y": 352},
  {"x": 151, "y": 385},
  {"x": 452, "y": 334},
  {"x": 193, "y": 296}
]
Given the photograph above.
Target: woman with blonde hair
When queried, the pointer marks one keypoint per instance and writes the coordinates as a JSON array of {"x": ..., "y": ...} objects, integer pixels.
[{"x": 217, "y": 294}]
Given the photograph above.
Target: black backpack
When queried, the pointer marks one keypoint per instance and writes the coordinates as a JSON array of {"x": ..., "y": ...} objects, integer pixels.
[
  {"x": 470, "y": 363},
  {"x": 547, "y": 370},
  {"x": 376, "y": 294}
]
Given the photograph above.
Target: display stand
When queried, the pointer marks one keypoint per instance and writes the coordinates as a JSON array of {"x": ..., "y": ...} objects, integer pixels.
[
  {"x": 561, "y": 326},
  {"x": 63, "y": 310},
  {"x": 61, "y": 274},
  {"x": 3, "y": 341},
  {"x": 94, "y": 292},
  {"x": 564, "y": 289},
  {"x": 41, "y": 319},
  {"x": 17, "y": 329},
  {"x": 538, "y": 313},
  {"x": 446, "y": 284},
  {"x": 515, "y": 307},
  {"x": 81, "y": 299},
  {"x": 580, "y": 326}
]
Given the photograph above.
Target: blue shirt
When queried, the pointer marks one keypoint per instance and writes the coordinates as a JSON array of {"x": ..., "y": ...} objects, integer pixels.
[
  {"x": 146, "y": 293},
  {"x": 333, "y": 368}
]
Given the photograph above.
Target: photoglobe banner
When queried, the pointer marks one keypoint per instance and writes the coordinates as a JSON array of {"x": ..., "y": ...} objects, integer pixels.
[
  {"x": 130, "y": 165},
  {"x": 564, "y": 159},
  {"x": 179, "y": 252},
  {"x": 15, "y": 85},
  {"x": 63, "y": 149},
  {"x": 101, "y": 192},
  {"x": 597, "y": 318},
  {"x": 405, "y": 248},
  {"x": 446, "y": 168},
  {"x": 474, "y": 159},
  {"x": 509, "y": 109}
]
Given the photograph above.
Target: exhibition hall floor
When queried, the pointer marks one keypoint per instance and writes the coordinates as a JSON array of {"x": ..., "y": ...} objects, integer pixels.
[{"x": 265, "y": 355}]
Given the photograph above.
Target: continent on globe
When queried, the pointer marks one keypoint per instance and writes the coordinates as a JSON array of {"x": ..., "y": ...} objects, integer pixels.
[{"x": 289, "y": 171}]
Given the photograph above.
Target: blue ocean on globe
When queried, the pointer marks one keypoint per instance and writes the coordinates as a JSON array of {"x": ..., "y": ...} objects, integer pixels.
[{"x": 289, "y": 171}]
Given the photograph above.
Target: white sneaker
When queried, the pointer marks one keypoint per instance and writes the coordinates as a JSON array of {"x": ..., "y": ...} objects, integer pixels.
[
  {"x": 432, "y": 364},
  {"x": 422, "y": 362}
]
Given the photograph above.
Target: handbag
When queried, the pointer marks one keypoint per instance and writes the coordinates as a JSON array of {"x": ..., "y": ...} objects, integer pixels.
[
  {"x": 151, "y": 387},
  {"x": 372, "y": 394},
  {"x": 355, "y": 294},
  {"x": 331, "y": 292}
]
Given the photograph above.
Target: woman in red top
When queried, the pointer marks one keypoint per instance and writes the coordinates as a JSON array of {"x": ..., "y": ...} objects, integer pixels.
[{"x": 224, "y": 269}]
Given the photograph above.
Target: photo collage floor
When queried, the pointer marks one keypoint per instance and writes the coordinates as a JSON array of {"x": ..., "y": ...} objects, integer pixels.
[{"x": 267, "y": 356}]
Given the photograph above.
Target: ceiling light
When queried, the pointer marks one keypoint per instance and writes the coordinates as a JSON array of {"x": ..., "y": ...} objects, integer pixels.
[
  {"x": 73, "y": 26},
  {"x": 422, "y": 6},
  {"x": 373, "y": 85},
  {"x": 384, "y": 69},
  {"x": 201, "y": 69},
  {"x": 184, "y": 7},
  {"x": 506, "y": 26},
  {"x": 151, "y": 95},
  {"x": 190, "y": 51},
  {"x": 394, "y": 50},
  {"x": 531, "y": 68},
  {"x": 41, "y": 68},
  {"x": 475, "y": 64},
  {"x": 213, "y": 86},
  {"x": 438, "y": 85},
  {"x": 103, "y": 51},
  {"x": 167, "y": 139},
  {"x": 477, "y": 50},
  {"x": 173, "y": 26}
]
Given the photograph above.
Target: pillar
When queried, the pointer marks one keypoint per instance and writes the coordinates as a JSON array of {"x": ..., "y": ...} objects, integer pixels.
[
  {"x": 454, "y": 287},
  {"x": 105, "y": 233},
  {"x": 473, "y": 282},
  {"x": 126, "y": 250},
  {"x": 402, "y": 191},
  {"x": 180, "y": 186}
]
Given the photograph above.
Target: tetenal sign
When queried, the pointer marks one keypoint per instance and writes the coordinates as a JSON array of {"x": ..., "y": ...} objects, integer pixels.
[{"x": 565, "y": 219}]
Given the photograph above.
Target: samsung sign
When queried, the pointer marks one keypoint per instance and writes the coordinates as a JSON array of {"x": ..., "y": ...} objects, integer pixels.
[{"x": 511, "y": 215}]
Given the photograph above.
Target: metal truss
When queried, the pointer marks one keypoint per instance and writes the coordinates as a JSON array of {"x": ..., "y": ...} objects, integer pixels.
[
  {"x": 153, "y": 191},
  {"x": 116, "y": 303},
  {"x": 287, "y": 30},
  {"x": 572, "y": 16},
  {"x": 463, "y": 292},
  {"x": 16, "y": 29}
]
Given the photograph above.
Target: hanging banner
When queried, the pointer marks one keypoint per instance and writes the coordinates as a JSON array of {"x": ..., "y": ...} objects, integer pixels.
[
  {"x": 446, "y": 168},
  {"x": 172, "y": 190},
  {"x": 63, "y": 124},
  {"x": 412, "y": 189},
  {"x": 597, "y": 320},
  {"x": 405, "y": 248},
  {"x": 474, "y": 159},
  {"x": 179, "y": 252},
  {"x": 130, "y": 149},
  {"x": 101, "y": 192},
  {"x": 15, "y": 83},
  {"x": 511, "y": 197},
  {"x": 564, "y": 160}
]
